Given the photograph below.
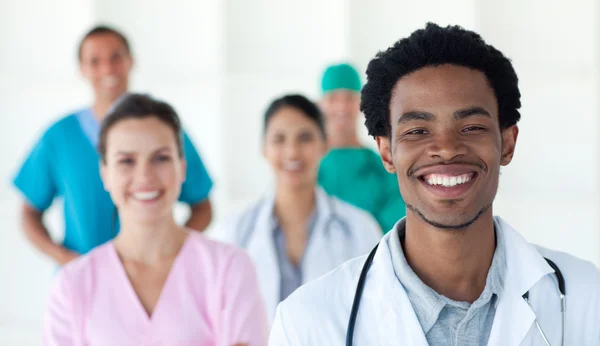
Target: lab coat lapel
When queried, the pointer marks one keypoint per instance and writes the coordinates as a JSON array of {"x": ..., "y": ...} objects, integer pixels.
[
  {"x": 513, "y": 319},
  {"x": 320, "y": 255},
  {"x": 385, "y": 307},
  {"x": 261, "y": 248},
  {"x": 524, "y": 268}
]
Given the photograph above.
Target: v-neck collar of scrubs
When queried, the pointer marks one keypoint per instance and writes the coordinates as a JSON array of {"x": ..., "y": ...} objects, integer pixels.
[
  {"x": 125, "y": 282},
  {"x": 89, "y": 125}
]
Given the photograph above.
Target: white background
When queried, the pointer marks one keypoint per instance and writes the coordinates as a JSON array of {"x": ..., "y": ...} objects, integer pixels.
[{"x": 220, "y": 63}]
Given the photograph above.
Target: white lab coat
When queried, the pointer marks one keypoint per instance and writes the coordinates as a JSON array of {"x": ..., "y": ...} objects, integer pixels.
[
  {"x": 318, "y": 313},
  {"x": 330, "y": 244}
]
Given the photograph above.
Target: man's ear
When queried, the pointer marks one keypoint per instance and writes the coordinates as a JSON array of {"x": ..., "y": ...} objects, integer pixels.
[
  {"x": 385, "y": 151},
  {"x": 509, "y": 142}
]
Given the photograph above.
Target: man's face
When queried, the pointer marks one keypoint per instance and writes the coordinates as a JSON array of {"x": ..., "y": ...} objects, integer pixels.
[
  {"x": 105, "y": 63},
  {"x": 341, "y": 109},
  {"x": 446, "y": 145}
]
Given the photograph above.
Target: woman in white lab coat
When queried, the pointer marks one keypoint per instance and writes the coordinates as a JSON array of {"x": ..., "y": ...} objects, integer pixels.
[{"x": 298, "y": 232}]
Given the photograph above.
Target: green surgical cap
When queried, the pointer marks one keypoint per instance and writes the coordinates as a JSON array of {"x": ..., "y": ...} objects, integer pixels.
[{"x": 342, "y": 76}]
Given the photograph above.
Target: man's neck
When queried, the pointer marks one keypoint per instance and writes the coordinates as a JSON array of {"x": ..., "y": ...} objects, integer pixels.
[
  {"x": 454, "y": 263},
  {"x": 101, "y": 107}
]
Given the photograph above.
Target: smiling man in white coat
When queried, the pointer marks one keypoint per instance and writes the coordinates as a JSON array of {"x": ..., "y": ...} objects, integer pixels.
[{"x": 443, "y": 107}]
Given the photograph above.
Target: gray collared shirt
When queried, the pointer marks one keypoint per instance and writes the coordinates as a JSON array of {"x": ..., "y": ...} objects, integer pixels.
[
  {"x": 445, "y": 321},
  {"x": 291, "y": 275}
]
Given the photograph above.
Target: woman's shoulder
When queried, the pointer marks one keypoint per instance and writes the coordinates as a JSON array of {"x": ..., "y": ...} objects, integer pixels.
[
  {"x": 85, "y": 264},
  {"x": 79, "y": 276},
  {"x": 357, "y": 217},
  {"x": 214, "y": 251},
  {"x": 230, "y": 228},
  {"x": 347, "y": 208}
]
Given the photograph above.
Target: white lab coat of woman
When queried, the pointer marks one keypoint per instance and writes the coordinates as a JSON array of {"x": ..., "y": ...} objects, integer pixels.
[
  {"x": 318, "y": 313},
  {"x": 340, "y": 232}
]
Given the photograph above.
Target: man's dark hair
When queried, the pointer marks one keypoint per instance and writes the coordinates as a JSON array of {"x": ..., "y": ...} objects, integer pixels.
[
  {"x": 298, "y": 102},
  {"x": 435, "y": 46},
  {"x": 102, "y": 30},
  {"x": 139, "y": 106}
]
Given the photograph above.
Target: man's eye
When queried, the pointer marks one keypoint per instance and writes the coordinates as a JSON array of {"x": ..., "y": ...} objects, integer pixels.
[
  {"x": 473, "y": 128},
  {"x": 417, "y": 132}
]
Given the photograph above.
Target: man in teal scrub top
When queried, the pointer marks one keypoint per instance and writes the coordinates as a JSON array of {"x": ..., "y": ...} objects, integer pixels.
[
  {"x": 350, "y": 171},
  {"x": 64, "y": 162}
]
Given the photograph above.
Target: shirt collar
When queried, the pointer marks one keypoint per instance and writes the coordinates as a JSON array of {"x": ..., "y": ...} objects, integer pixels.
[
  {"x": 279, "y": 237},
  {"x": 322, "y": 211},
  {"x": 276, "y": 226},
  {"x": 426, "y": 302},
  {"x": 90, "y": 125}
]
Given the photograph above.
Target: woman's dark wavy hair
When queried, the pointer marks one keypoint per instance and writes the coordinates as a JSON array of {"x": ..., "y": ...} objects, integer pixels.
[
  {"x": 139, "y": 106},
  {"x": 298, "y": 102}
]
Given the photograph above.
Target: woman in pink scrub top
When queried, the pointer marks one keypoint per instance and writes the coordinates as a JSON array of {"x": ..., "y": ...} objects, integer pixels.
[{"x": 156, "y": 283}]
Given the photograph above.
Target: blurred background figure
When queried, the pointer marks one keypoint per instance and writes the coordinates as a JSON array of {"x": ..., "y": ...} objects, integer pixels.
[
  {"x": 157, "y": 282},
  {"x": 219, "y": 61},
  {"x": 351, "y": 171},
  {"x": 64, "y": 162},
  {"x": 298, "y": 232}
]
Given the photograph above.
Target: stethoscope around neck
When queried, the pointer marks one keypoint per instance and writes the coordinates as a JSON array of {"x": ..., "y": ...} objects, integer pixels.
[{"x": 363, "y": 279}]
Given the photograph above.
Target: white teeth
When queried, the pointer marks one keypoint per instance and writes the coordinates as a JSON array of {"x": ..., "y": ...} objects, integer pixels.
[
  {"x": 448, "y": 181},
  {"x": 110, "y": 81},
  {"x": 146, "y": 196}
]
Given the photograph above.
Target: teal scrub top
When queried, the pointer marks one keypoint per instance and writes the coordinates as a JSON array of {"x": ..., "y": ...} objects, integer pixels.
[
  {"x": 357, "y": 176},
  {"x": 64, "y": 163}
]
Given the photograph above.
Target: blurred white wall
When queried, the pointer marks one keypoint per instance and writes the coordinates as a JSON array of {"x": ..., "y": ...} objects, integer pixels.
[
  {"x": 272, "y": 48},
  {"x": 38, "y": 81},
  {"x": 220, "y": 63},
  {"x": 551, "y": 190}
]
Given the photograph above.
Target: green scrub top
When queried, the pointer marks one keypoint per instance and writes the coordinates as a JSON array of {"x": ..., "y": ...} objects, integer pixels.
[{"x": 357, "y": 176}]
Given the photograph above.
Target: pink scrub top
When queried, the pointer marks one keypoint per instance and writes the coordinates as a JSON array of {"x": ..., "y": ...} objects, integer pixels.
[{"x": 210, "y": 297}]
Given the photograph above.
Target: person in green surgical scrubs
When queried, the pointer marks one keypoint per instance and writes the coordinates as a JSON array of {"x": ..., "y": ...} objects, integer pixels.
[{"x": 350, "y": 171}]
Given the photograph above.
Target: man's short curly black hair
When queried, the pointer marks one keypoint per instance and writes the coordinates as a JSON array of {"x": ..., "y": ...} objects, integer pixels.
[{"x": 434, "y": 46}]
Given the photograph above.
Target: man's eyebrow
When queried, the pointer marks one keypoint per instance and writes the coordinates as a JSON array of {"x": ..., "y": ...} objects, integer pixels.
[
  {"x": 412, "y": 116},
  {"x": 471, "y": 112}
]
